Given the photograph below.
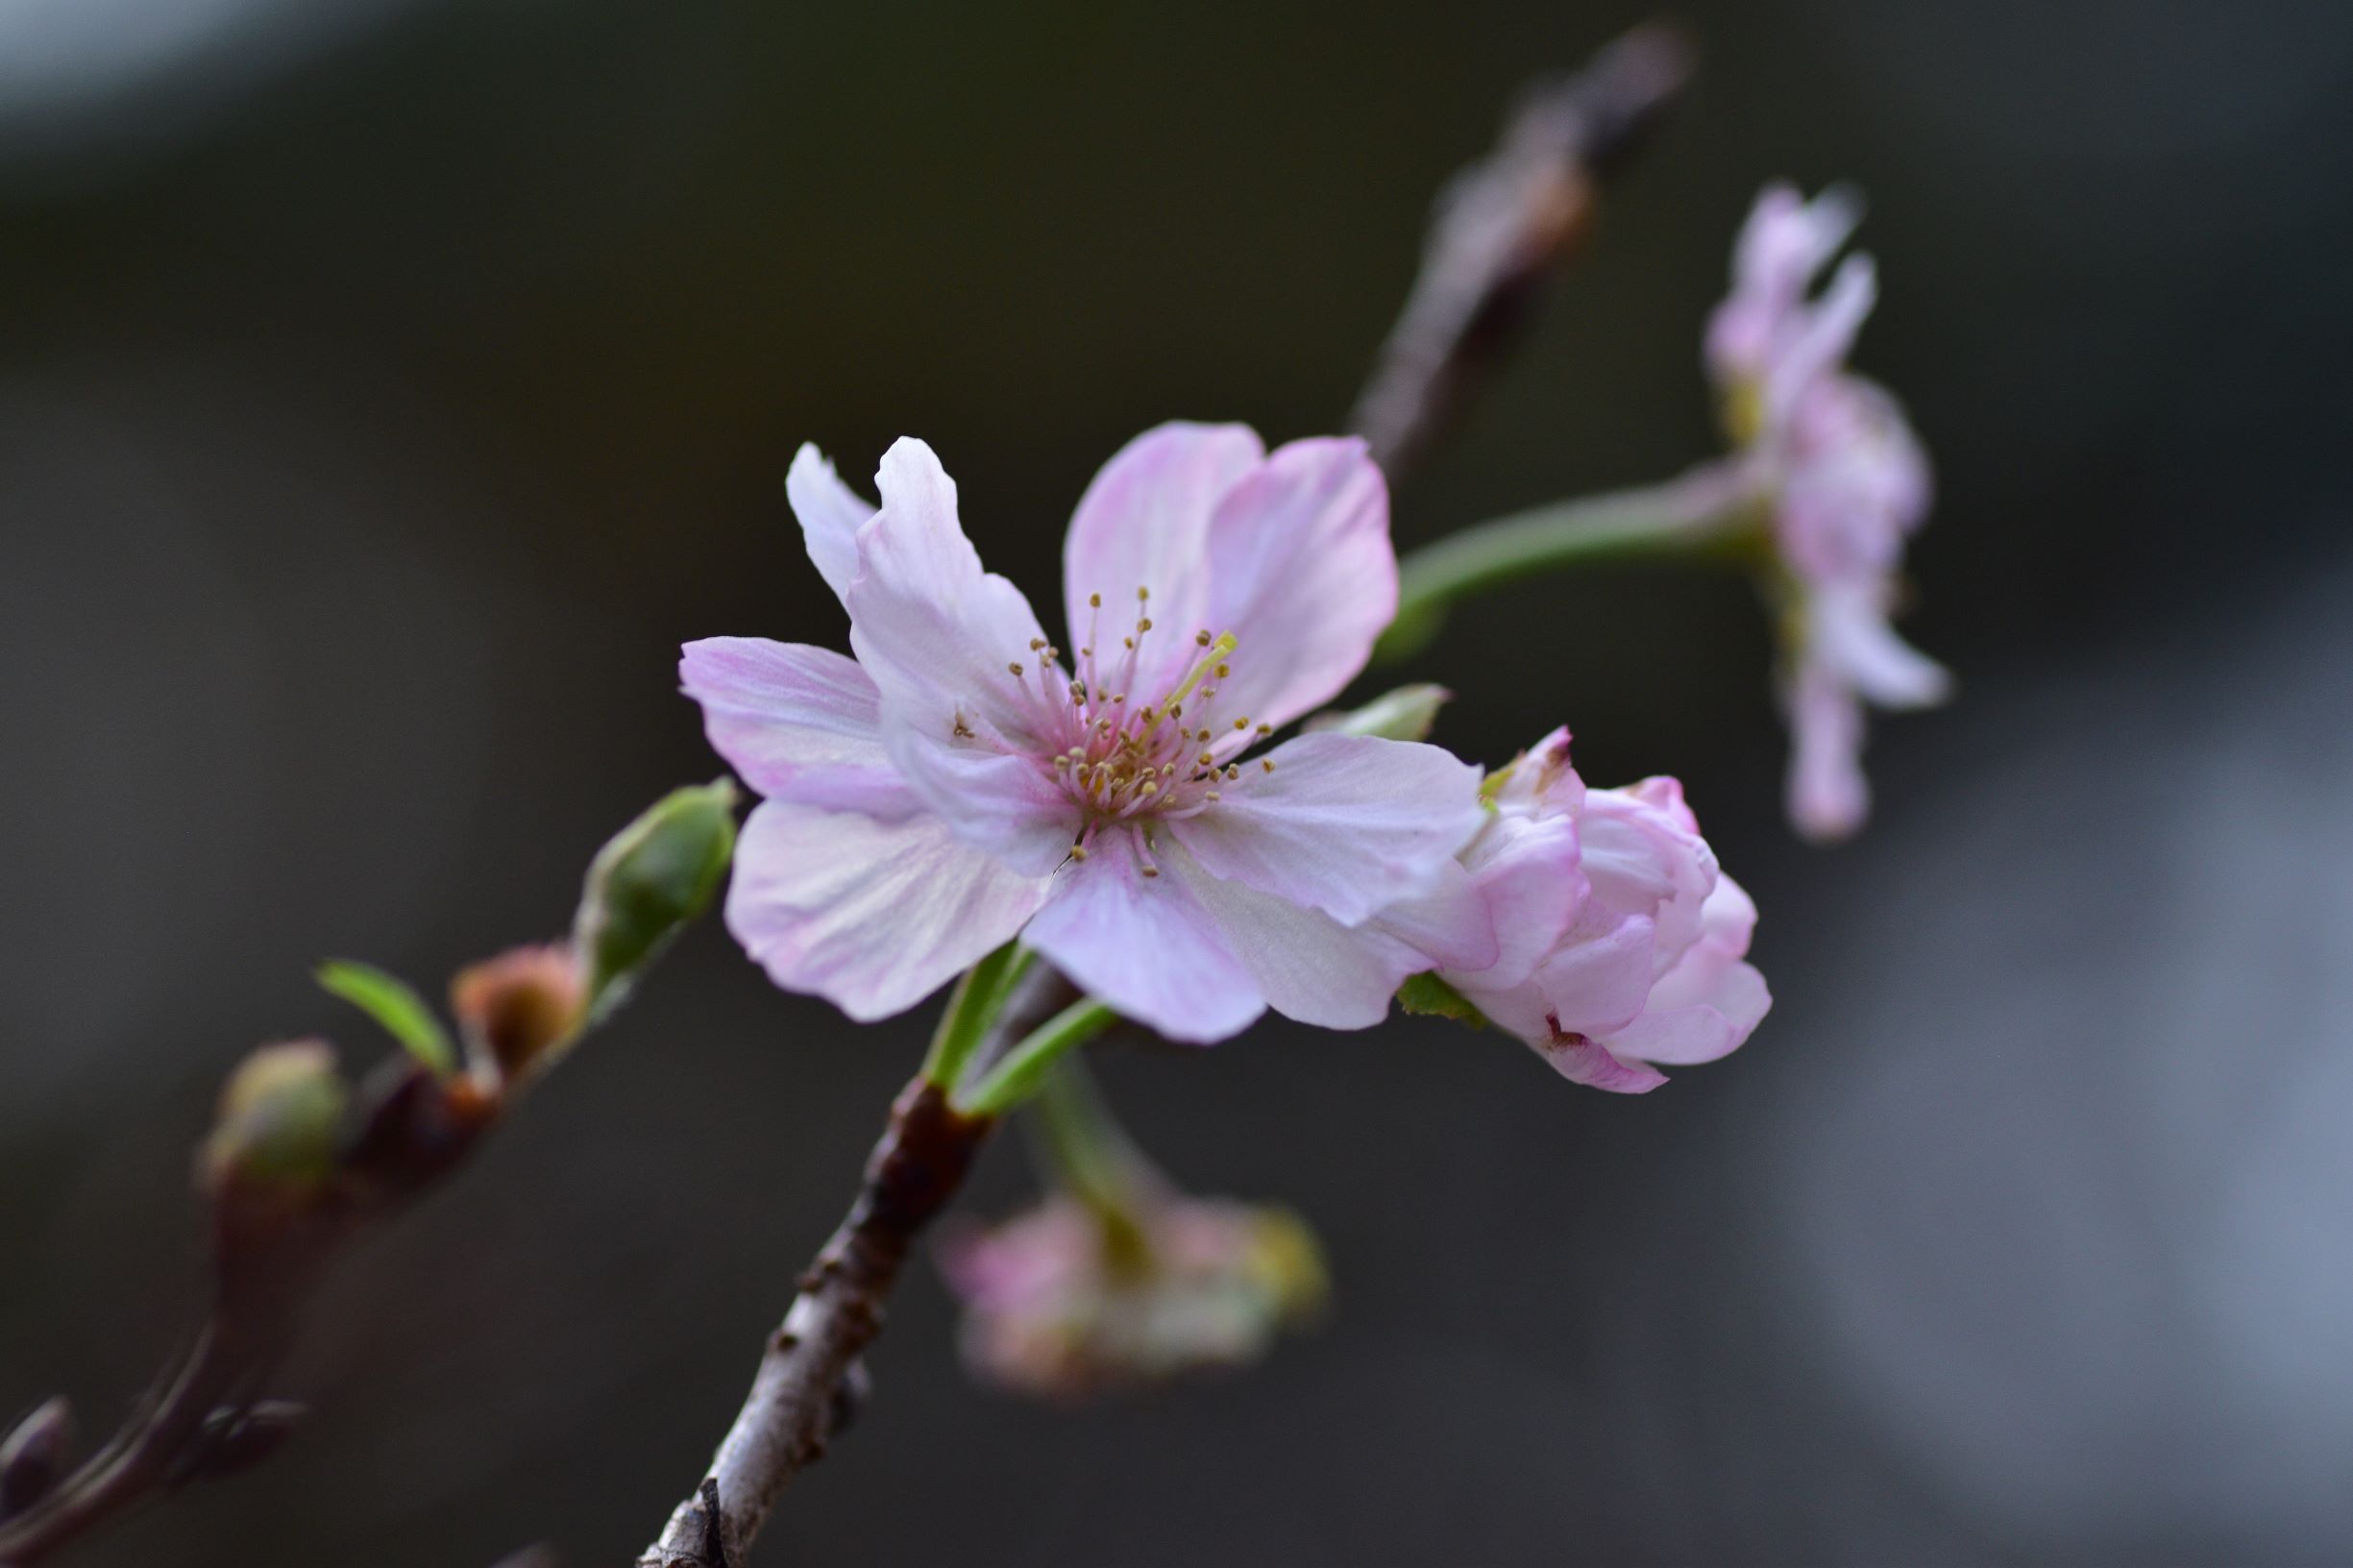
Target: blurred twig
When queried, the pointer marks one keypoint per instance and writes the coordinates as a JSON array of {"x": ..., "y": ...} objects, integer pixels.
[
  {"x": 810, "y": 1383},
  {"x": 1501, "y": 225},
  {"x": 300, "y": 1163}
]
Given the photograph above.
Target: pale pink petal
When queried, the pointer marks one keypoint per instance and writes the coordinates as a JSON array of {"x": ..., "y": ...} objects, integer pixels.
[
  {"x": 1145, "y": 945},
  {"x": 1344, "y": 823},
  {"x": 1731, "y": 1001},
  {"x": 1303, "y": 574},
  {"x": 1599, "y": 979},
  {"x": 1853, "y": 634},
  {"x": 1452, "y": 926},
  {"x": 1643, "y": 854},
  {"x": 1540, "y": 782},
  {"x": 1583, "y": 1061},
  {"x": 943, "y": 640},
  {"x": 1144, "y": 523},
  {"x": 830, "y": 515},
  {"x": 1528, "y": 873},
  {"x": 873, "y": 917},
  {"x": 1307, "y": 965},
  {"x": 939, "y": 634},
  {"x": 795, "y": 723},
  {"x": 1823, "y": 339},
  {"x": 1828, "y": 795}
]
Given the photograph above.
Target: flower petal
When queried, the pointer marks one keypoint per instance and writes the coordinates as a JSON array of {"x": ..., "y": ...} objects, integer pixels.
[
  {"x": 796, "y": 723},
  {"x": 941, "y": 639},
  {"x": 871, "y": 916},
  {"x": 1303, "y": 574},
  {"x": 1144, "y": 523},
  {"x": 1827, "y": 796},
  {"x": 1850, "y": 632},
  {"x": 1345, "y": 823},
  {"x": 1587, "y": 1062},
  {"x": 830, "y": 514},
  {"x": 1145, "y": 945},
  {"x": 1307, "y": 965}
]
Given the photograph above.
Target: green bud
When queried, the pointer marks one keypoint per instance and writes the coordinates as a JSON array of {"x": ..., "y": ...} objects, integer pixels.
[
  {"x": 1404, "y": 714},
  {"x": 279, "y": 1121},
  {"x": 655, "y": 875}
]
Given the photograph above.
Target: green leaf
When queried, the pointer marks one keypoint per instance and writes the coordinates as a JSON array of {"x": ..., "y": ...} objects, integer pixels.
[
  {"x": 401, "y": 1011},
  {"x": 1431, "y": 997}
]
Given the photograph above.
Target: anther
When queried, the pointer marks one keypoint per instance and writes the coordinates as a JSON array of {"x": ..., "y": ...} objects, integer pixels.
[
  {"x": 1151, "y": 871},
  {"x": 1014, "y": 667},
  {"x": 1202, "y": 637},
  {"x": 1095, "y": 602},
  {"x": 1239, "y": 723},
  {"x": 1223, "y": 671},
  {"x": 1143, "y": 624},
  {"x": 1143, "y": 594},
  {"x": 1268, "y": 762},
  {"x": 1128, "y": 643},
  {"x": 1266, "y": 730},
  {"x": 1036, "y": 643},
  {"x": 1232, "y": 773},
  {"x": 1204, "y": 760},
  {"x": 1213, "y": 796},
  {"x": 1078, "y": 851}
]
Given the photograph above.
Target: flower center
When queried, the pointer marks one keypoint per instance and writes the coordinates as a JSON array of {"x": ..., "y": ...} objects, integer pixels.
[{"x": 1123, "y": 754}]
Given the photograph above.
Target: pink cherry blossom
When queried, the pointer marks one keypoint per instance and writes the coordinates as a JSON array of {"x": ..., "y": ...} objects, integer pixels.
[
  {"x": 1069, "y": 1300},
  {"x": 1622, "y": 945},
  {"x": 962, "y": 780},
  {"x": 1848, "y": 483}
]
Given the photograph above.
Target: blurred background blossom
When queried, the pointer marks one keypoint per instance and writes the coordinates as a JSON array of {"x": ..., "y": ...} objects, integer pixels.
[{"x": 385, "y": 392}]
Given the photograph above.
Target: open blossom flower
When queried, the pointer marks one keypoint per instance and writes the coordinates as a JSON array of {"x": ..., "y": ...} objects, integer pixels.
[
  {"x": 1848, "y": 483},
  {"x": 1622, "y": 944},
  {"x": 1069, "y": 1300},
  {"x": 959, "y": 783}
]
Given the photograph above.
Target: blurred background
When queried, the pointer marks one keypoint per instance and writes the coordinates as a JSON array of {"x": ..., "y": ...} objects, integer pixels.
[{"x": 387, "y": 388}]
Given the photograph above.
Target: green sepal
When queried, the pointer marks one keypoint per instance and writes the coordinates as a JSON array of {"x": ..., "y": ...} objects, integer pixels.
[{"x": 1431, "y": 996}]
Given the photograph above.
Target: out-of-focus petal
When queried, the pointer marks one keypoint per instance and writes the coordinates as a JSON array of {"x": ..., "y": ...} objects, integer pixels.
[
  {"x": 1828, "y": 797},
  {"x": 795, "y": 723},
  {"x": 1145, "y": 945},
  {"x": 1303, "y": 574},
  {"x": 1851, "y": 633},
  {"x": 830, "y": 513},
  {"x": 1144, "y": 523},
  {"x": 1344, "y": 823},
  {"x": 873, "y": 917}
]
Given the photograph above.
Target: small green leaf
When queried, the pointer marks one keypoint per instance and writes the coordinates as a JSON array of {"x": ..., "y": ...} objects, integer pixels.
[
  {"x": 1431, "y": 997},
  {"x": 399, "y": 1010}
]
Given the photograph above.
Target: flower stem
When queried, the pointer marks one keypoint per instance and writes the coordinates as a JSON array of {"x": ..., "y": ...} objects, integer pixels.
[
  {"x": 1709, "y": 504},
  {"x": 1017, "y": 1076},
  {"x": 978, "y": 998},
  {"x": 1088, "y": 1149}
]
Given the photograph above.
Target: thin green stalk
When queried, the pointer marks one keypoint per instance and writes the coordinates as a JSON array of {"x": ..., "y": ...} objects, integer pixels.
[
  {"x": 1087, "y": 1149},
  {"x": 1706, "y": 507},
  {"x": 1016, "y": 1076},
  {"x": 979, "y": 996}
]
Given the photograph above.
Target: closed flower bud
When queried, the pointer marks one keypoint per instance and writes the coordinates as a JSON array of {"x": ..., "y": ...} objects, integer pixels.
[
  {"x": 656, "y": 874},
  {"x": 33, "y": 1457},
  {"x": 522, "y": 1009},
  {"x": 279, "y": 1119},
  {"x": 1405, "y": 714}
]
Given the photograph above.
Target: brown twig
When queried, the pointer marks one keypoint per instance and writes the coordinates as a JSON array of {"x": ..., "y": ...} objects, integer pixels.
[
  {"x": 810, "y": 1382},
  {"x": 1501, "y": 225}
]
